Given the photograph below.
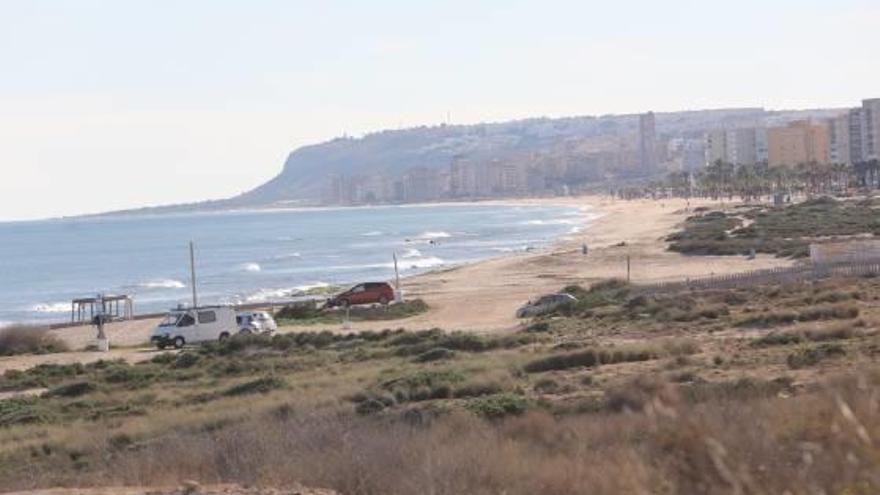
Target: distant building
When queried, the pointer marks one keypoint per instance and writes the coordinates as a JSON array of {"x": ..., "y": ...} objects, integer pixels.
[
  {"x": 716, "y": 146},
  {"x": 647, "y": 142},
  {"x": 421, "y": 184},
  {"x": 741, "y": 146},
  {"x": 801, "y": 141},
  {"x": 856, "y": 135},
  {"x": 838, "y": 139},
  {"x": 871, "y": 133}
]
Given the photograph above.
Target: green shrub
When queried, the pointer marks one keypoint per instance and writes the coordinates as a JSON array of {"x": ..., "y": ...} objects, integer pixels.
[
  {"x": 424, "y": 385},
  {"x": 185, "y": 360},
  {"x": 369, "y": 406},
  {"x": 435, "y": 354},
  {"x": 590, "y": 358},
  {"x": 477, "y": 389},
  {"x": 814, "y": 355},
  {"x": 258, "y": 386},
  {"x": 498, "y": 405},
  {"x": 538, "y": 327},
  {"x": 22, "y": 411},
  {"x": 72, "y": 389}
]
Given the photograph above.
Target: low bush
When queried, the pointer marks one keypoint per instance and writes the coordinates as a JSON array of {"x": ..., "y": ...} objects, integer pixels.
[
  {"x": 72, "y": 389},
  {"x": 477, "y": 389},
  {"x": 812, "y": 356},
  {"x": 808, "y": 335},
  {"x": 258, "y": 386},
  {"x": 21, "y": 339},
  {"x": 498, "y": 405},
  {"x": 590, "y": 358},
  {"x": 435, "y": 354},
  {"x": 22, "y": 411},
  {"x": 424, "y": 385}
]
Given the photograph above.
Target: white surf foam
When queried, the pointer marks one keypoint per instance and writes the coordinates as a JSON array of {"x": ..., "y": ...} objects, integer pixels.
[
  {"x": 411, "y": 253},
  {"x": 56, "y": 307},
  {"x": 287, "y": 256},
  {"x": 251, "y": 267},
  {"x": 426, "y": 262},
  {"x": 435, "y": 235},
  {"x": 372, "y": 233},
  {"x": 556, "y": 221},
  {"x": 162, "y": 284}
]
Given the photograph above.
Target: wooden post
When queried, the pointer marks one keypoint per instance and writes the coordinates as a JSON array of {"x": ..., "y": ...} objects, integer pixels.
[{"x": 628, "y": 271}]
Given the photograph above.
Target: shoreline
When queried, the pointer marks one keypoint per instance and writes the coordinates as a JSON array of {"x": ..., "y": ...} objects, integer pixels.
[
  {"x": 483, "y": 296},
  {"x": 271, "y": 296}
]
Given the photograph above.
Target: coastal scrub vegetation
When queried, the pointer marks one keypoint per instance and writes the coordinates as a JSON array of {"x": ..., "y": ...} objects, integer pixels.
[
  {"x": 628, "y": 393},
  {"x": 311, "y": 314},
  {"x": 21, "y": 339},
  {"x": 784, "y": 231}
]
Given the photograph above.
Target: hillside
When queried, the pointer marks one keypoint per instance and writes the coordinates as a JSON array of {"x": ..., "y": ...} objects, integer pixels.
[{"x": 391, "y": 152}]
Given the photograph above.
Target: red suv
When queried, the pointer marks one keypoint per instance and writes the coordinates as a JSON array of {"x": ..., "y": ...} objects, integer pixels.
[{"x": 368, "y": 293}]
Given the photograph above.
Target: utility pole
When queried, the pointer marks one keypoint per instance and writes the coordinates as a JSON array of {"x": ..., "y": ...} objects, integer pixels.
[{"x": 192, "y": 270}]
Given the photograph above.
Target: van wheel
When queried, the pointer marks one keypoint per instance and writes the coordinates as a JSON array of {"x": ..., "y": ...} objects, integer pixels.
[
  {"x": 178, "y": 343},
  {"x": 344, "y": 303},
  {"x": 383, "y": 301},
  {"x": 224, "y": 336}
]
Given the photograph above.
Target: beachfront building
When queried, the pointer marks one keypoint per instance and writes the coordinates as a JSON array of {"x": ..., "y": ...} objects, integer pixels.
[{"x": 801, "y": 141}]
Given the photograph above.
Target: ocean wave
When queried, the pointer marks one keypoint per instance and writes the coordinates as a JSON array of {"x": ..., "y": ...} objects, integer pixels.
[
  {"x": 556, "y": 221},
  {"x": 411, "y": 253},
  {"x": 286, "y": 256},
  {"x": 435, "y": 235},
  {"x": 162, "y": 284},
  {"x": 426, "y": 262},
  {"x": 372, "y": 233},
  {"x": 56, "y": 307},
  {"x": 250, "y": 267},
  {"x": 509, "y": 249}
]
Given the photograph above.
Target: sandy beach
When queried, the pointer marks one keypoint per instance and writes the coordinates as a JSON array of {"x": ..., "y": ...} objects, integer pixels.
[{"x": 483, "y": 296}]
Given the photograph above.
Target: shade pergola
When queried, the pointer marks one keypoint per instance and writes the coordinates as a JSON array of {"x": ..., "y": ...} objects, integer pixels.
[{"x": 107, "y": 305}]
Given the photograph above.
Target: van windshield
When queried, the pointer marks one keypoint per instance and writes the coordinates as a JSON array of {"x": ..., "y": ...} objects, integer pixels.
[{"x": 170, "y": 320}]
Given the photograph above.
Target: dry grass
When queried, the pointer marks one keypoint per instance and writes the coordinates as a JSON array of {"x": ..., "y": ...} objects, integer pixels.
[
  {"x": 21, "y": 339},
  {"x": 818, "y": 443},
  {"x": 709, "y": 410}
]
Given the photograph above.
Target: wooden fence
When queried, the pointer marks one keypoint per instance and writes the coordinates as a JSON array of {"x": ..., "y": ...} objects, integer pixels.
[{"x": 778, "y": 276}]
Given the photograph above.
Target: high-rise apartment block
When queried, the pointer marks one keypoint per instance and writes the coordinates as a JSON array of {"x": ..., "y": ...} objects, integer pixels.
[
  {"x": 799, "y": 142},
  {"x": 743, "y": 146}
]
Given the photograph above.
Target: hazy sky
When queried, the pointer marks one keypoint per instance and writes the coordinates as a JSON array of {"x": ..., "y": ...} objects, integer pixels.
[{"x": 122, "y": 103}]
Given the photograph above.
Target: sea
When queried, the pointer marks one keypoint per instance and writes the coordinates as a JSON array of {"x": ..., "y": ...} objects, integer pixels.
[{"x": 253, "y": 256}]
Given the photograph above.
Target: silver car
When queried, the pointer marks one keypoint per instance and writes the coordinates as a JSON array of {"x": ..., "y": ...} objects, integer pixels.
[{"x": 544, "y": 305}]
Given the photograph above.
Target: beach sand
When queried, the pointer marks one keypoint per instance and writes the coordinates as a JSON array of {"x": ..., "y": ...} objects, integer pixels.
[{"x": 484, "y": 296}]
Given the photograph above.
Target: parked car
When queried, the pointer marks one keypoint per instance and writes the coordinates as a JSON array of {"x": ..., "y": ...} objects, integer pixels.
[
  {"x": 368, "y": 293},
  {"x": 194, "y": 325},
  {"x": 255, "y": 322},
  {"x": 545, "y": 304}
]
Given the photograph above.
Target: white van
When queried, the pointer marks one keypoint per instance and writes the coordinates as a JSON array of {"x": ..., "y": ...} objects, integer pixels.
[
  {"x": 250, "y": 322},
  {"x": 192, "y": 325}
]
